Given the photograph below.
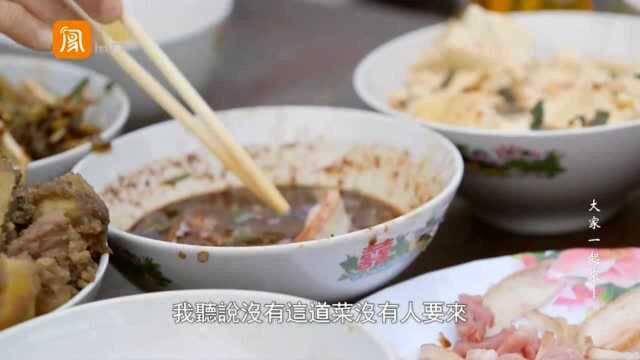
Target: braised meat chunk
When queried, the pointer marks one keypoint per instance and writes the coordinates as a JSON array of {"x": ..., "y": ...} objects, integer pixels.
[
  {"x": 69, "y": 197},
  {"x": 51, "y": 240}
]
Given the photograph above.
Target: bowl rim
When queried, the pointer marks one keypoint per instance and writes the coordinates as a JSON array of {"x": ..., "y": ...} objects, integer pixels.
[
  {"x": 52, "y": 66},
  {"x": 226, "y": 10},
  {"x": 179, "y": 295},
  {"x": 442, "y": 198},
  {"x": 219, "y": 18},
  {"x": 82, "y": 295},
  {"x": 363, "y": 69}
]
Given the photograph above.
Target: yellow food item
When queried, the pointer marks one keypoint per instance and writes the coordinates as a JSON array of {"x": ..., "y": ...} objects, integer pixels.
[
  {"x": 118, "y": 32},
  {"x": 482, "y": 72},
  {"x": 617, "y": 325},
  {"x": 19, "y": 287},
  {"x": 51, "y": 236},
  {"x": 9, "y": 178},
  {"x": 499, "y": 5},
  {"x": 519, "y": 5}
]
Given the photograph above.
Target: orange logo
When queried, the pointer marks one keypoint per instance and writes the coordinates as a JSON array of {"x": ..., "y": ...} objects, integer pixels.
[{"x": 72, "y": 40}]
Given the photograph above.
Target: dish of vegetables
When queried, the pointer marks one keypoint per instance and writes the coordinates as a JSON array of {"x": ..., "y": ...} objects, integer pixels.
[{"x": 46, "y": 124}]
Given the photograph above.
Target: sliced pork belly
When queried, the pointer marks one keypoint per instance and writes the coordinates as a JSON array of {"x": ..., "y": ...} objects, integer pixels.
[
  {"x": 478, "y": 319},
  {"x": 617, "y": 325},
  {"x": 519, "y": 294}
]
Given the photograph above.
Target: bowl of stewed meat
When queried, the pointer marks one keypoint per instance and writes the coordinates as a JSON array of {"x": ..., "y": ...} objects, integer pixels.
[{"x": 367, "y": 194}]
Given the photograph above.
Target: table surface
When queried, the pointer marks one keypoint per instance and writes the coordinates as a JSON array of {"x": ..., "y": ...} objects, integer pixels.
[{"x": 298, "y": 52}]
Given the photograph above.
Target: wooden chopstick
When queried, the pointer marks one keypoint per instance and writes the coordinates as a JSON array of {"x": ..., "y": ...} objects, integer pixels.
[
  {"x": 191, "y": 96},
  {"x": 220, "y": 143}
]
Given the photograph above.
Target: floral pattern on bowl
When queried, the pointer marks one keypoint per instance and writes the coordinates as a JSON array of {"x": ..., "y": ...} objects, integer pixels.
[
  {"x": 507, "y": 160},
  {"x": 617, "y": 271},
  {"x": 379, "y": 255},
  {"x": 143, "y": 272}
]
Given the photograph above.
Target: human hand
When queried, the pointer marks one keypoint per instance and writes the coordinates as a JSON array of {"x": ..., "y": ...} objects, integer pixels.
[{"x": 28, "y": 22}]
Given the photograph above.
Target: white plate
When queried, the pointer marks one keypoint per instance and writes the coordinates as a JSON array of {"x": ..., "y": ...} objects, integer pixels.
[
  {"x": 89, "y": 292},
  {"x": 144, "y": 327},
  {"x": 619, "y": 270}
]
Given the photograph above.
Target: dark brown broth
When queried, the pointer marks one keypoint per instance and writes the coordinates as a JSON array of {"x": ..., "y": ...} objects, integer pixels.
[{"x": 236, "y": 218}]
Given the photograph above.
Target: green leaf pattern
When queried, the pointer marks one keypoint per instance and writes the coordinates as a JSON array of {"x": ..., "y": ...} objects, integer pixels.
[
  {"x": 510, "y": 160},
  {"x": 143, "y": 272}
]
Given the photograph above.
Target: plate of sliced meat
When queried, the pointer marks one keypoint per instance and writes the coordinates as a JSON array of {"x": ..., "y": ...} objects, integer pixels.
[{"x": 556, "y": 305}]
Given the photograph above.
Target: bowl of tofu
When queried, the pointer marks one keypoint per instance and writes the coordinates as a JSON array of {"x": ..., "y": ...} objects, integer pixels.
[
  {"x": 544, "y": 107},
  {"x": 364, "y": 204},
  {"x": 53, "y": 245}
]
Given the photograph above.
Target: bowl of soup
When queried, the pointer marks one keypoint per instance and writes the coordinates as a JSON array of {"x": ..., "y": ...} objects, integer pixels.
[{"x": 364, "y": 203}]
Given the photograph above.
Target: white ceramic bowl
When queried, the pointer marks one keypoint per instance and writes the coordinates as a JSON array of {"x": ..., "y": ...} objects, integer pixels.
[
  {"x": 110, "y": 114},
  {"x": 401, "y": 162},
  {"x": 90, "y": 291},
  {"x": 143, "y": 327},
  {"x": 86, "y": 295},
  {"x": 578, "y": 165},
  {"x": 189, "y": 31}
]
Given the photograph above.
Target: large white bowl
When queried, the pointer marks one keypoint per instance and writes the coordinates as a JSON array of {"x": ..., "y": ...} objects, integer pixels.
[
  {"x": 398, "y": 161},
  {"x": 189, "y": 31},
  {"x": 143, "y": 327},
  {"x": 89, "y": 293},
  {"x": 582, "y": 165},
  {"x": 110, "y": 114}
]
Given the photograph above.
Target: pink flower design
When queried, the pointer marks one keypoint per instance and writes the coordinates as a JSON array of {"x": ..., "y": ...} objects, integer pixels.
[
  {"x": 625, "y": 272},
  {"x": 577, "y": 295},
  {"x": 375, "y": 254},
  {"x": 535, "y": 155},
  {"x": 506, "y": 153},
  {"x": 617, "y": 266},
  {"x": 482, "y": 156},
  {"x": 612, "y": 267},
  {"x": 529, "y": 260},
  {"x": 574, "y": 263}
]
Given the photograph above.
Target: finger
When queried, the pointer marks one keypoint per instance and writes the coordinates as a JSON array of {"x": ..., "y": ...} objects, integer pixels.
[
  {"x": 21, "y": 26},
  {"x": 48, "y": 11},
  {"x": 105, "y": 11}
]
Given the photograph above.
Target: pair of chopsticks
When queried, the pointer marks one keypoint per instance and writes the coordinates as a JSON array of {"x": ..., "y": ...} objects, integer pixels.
[{"x": 206, "y": 126}]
